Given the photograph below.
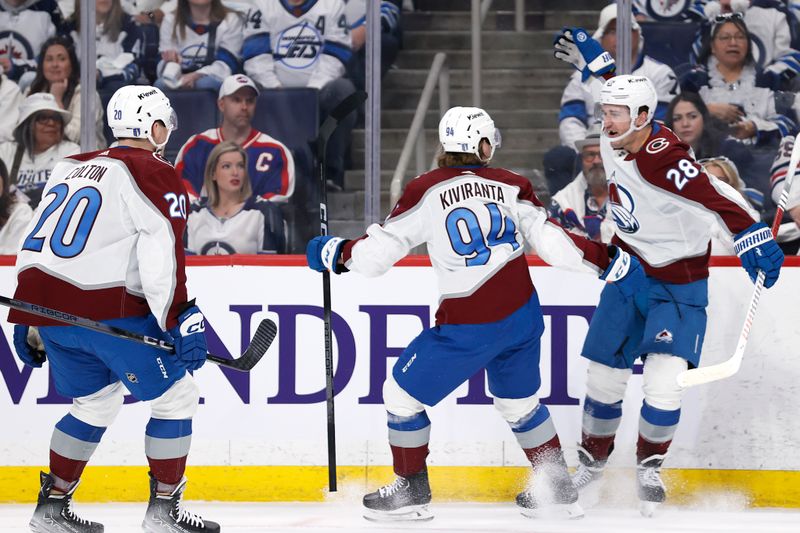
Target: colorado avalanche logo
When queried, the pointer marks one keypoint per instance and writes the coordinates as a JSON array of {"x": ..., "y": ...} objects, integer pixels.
[
  {"x": 622, "y": 207},
  {"x": 299, "y": 46}
]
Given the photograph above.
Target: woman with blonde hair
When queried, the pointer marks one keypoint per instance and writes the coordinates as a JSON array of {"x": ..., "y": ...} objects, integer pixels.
[{"x": 229, "y": 219}]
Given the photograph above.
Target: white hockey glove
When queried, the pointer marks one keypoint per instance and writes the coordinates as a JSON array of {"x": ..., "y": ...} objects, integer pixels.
[{"x": 576, "y": 47}]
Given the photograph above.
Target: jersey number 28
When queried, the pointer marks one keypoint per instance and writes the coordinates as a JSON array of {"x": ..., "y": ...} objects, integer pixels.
[
  {"x": 86, "y": 201},
  {"x": 478, "y": 248}
]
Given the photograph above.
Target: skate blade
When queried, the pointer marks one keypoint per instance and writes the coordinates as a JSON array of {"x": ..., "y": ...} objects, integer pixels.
[
  {"x": 559, "y": 511},
  {"x": 412, "y": 513},
  {"x": 648, "y": 509}
]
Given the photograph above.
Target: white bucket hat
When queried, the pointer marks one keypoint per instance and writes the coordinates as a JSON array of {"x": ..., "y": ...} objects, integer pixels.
[{"x": 40, "y": 102}]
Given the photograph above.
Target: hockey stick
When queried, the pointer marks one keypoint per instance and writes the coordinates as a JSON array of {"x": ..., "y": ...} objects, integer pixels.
[
  {"x": 725, "y": 369},
  {"x": 344, "y": 108},
  {"x": 265, "y": 333}
]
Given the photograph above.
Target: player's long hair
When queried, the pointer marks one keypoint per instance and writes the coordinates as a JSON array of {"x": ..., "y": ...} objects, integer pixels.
[
  {"x": 112, "y": 25},
  {"x": 183, "y": 16},
  {"x": 7, "y": 198},
  {"x": 211, "y": 166},
  {"x": 40, "y": 83}
]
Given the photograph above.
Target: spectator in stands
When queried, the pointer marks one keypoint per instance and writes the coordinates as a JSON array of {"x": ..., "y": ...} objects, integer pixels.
[
  {"x": 688, "y": 117},
  {"x": 39, "y": 144},
  {"x": 308, "y": 48},
  {"x": 725, "y": 171},
  {"x": 773, "y": 32},
  {"x": 200, "y": 44},
  {"x": 271, "y": 165},
  {"x": 24, "y": 27},
  {"x": 580, "y": 95},
  {"x": 10, "y": 100},
  {"x": 231, "y": 220},
  {"x": 14, "y": 216},
  {"x": 727, "y": 79},
  {"x": 391, "y": 37},
  {"x": 788, "y": 232},
  {"x": 58, "y": 73},
  {"x": 118, "y": 43},
  {"x": 582, "y": 206}
]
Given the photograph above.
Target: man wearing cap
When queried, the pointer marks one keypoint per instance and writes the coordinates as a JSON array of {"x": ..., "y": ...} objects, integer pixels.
[
  {"x": 582, "y": 206},
  {"x": 578, "y": 101},
  {"x": 270, "y": 162},
  {"x": 38, "y": 145}
]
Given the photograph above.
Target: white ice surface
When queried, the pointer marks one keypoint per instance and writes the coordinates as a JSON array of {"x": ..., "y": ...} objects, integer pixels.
[{"x": 338, "y": 517}]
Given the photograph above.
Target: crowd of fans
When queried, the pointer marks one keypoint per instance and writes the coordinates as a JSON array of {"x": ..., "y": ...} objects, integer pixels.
[
  {"x": 732, "y": 97},
  {"x": 241, "y": 181}
]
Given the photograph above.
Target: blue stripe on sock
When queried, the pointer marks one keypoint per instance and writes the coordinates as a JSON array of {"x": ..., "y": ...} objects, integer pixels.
[
  {"x": 603, "y": 411},
  {"x": 532, "y": 420},
  {"x": 660, "y": 417},
  {"x": 168, "y": 429},
  {"x": 80, "y": 430},
  {"x": 408, "y": 423}
]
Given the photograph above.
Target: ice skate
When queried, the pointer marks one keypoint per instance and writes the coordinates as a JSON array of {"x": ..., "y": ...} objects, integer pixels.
[
  {"x": 552, "y": 495},
  {"x": 165, "y": 513},
  {"x": 650, "y": 487},
  {"x": 588, "y": 470},
  {"x": 54, "y": 512},
  {"x": 406, "y": 499}
]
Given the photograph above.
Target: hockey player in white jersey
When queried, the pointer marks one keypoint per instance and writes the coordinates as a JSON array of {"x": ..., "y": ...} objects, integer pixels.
[
  {"x": 105, "y": 243},
  {"x": 665, "y": 206},
  {"x": 475, "y": 221}
]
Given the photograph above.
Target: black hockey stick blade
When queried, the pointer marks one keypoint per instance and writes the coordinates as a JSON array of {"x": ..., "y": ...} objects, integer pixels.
[
  {"x": 344, "y": 108},
  {"x": 265, "y": 334}
]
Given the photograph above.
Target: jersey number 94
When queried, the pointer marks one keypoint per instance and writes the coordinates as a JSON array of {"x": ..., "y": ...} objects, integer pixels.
[{"x": 476, "y": 246}]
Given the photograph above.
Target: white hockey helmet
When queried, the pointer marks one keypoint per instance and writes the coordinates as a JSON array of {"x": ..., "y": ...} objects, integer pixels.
[
  {"x": 462, "y": 128},
  {"x": 133, "y": 109},
  {"x": 633, "y": 92}
]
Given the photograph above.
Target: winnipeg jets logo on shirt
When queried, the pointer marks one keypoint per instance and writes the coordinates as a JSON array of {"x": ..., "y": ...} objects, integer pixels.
[
  {"x": 299, "y": 46},
  {"x": 15, "y": 46},
  {"x": 622, "y": 207},
  {"x": 193, "y": 55}
]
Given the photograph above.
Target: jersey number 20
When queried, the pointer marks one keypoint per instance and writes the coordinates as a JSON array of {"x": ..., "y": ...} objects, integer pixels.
[
  {"x": 89, "y": 199},
  {"x": 477, "y": 250}
]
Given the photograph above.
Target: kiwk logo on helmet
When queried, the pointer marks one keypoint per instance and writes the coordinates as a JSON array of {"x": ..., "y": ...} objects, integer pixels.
[
  {"x": 462, "y": 128},
  {"x": 633, "y": 92},
  {"x": 134, "y": 109}
]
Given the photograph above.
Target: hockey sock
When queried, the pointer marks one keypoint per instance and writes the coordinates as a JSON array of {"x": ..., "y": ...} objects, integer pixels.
[
  {"x": 72, "y": 444},
  {"x": 600, "y": 424},
  {"x": 537, "y": 437},
  {"x": 656, "y": 429},
  {"x": 166, "y": 445},
  {"x": 408, "y": 438}
]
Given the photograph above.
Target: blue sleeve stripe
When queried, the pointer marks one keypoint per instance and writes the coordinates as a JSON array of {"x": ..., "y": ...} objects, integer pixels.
[
  {"x": 340, "y": 52},
  {"x": 661, "y": 110},
  {"x": 79, "y": 429},
  {"x": 168, "y": 429},
  {"x": 359, "y": 22},
  {"x": 602, "y": 411},
  {"x": 228, "y": 58},
  {"x": 256, "y": 45},
  {"x": 660, "y": 417},
  {"x": 574, "y": 109}
]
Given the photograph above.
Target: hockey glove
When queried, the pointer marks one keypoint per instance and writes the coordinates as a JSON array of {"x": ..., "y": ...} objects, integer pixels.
[
  {"x": 758, "y": 251},
  {"x": 625, "y": 271},
  {"x": 189, "y": 338},
  {"x": 390, "y": 16},
  {"x": 323, "y": 254},
  {"x": 29, "y": 346},
  {"x": 576, "y": 47}
]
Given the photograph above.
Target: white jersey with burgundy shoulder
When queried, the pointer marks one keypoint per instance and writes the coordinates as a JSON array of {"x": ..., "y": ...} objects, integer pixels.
[
  {"x": 106, "y": 240},
  {"x": 476, "y": 222},
  {"x": 665, "y": 206},
  {"x": 296, "y": 46}
]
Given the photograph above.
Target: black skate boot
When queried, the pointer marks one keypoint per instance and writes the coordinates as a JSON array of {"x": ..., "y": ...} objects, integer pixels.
[
  {"x": 406, "y": 499},
  {"x": 552, "y": 494},
  {"x": 165, "y": 513},
  {"x": 54, "y": 512},
  {"x": 650, "y": 487},
  {"x": 588, "y": 471}
]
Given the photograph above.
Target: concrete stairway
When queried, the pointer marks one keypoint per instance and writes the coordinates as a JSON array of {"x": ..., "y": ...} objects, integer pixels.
[{"x": 522, "y": 85}]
